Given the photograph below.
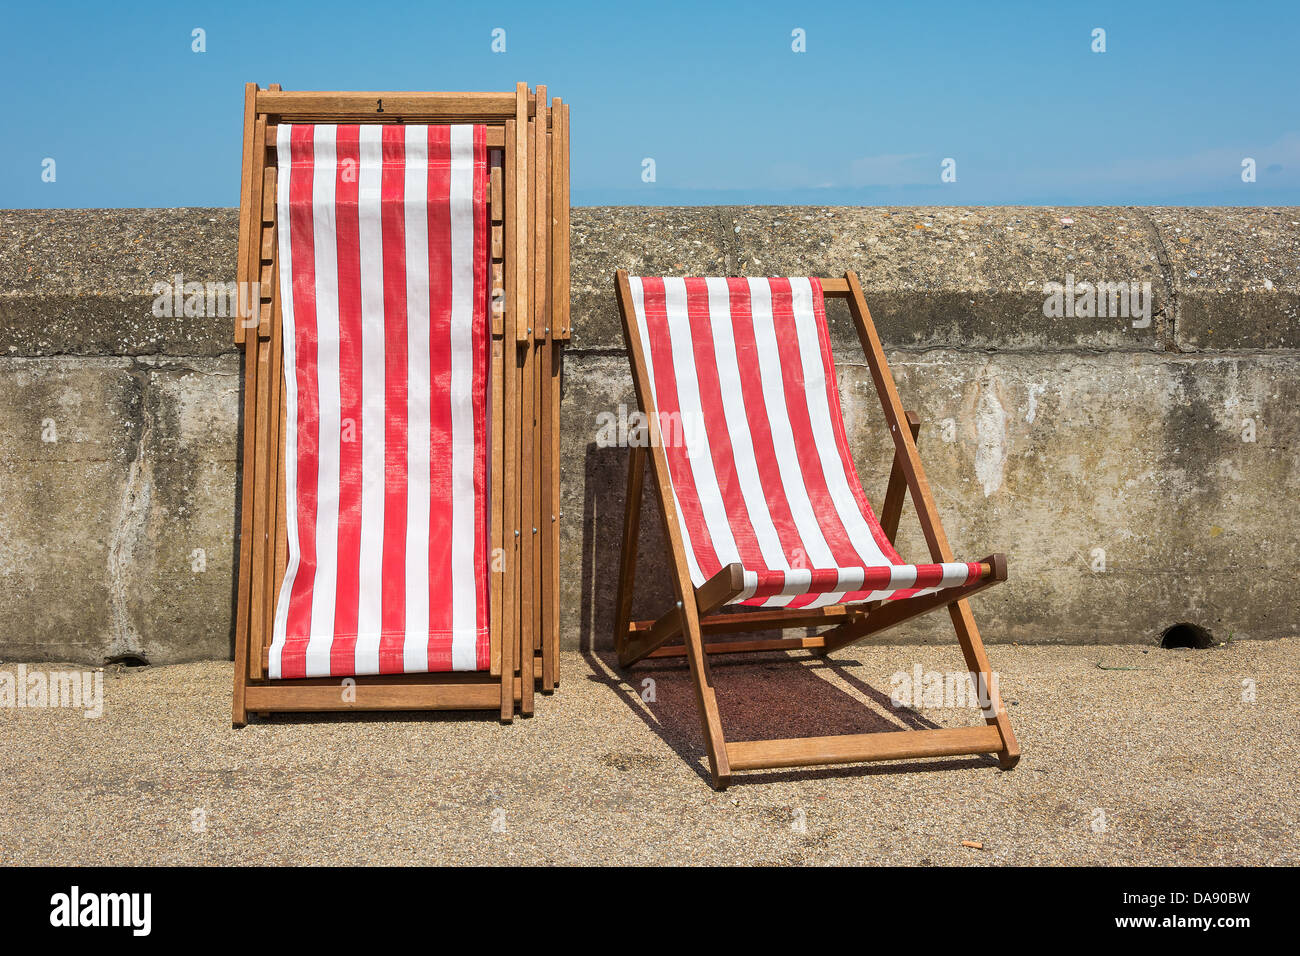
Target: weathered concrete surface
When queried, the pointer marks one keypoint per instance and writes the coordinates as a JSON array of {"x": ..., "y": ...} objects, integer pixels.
[
  {"x": 1184, "y": 764},
  {"x": 80, "y": 282},
  {"x": 1113, "y": 463},
  {"x": 118, "y": 483}
]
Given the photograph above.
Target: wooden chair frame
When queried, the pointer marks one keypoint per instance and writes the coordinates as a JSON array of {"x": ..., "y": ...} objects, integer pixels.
[
  {"x": 527, "y": 141},
  {"x": 694, "y": 614}
]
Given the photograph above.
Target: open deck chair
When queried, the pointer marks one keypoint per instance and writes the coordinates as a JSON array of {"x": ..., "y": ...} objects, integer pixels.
[
  {"x": 393, "y": 239},
  {"x": 762, "y": 505}
]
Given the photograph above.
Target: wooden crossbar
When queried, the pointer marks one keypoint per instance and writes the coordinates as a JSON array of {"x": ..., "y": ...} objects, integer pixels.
[{"x": 862, "y": 748}]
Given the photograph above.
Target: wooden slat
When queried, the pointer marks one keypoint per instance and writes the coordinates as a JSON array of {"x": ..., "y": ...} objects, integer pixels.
[
  {"x": 539, "y": 164},
  {"x": 527, "y": 507},
  {"x": 497, "y": 201},
  {"x": 540, "y": 169},
  {"x": 268, "y": 196},
  {"x": 860, "y": 748},
  {"x": 521, "y": 215},
  {"x": 503, "y": 658},
  {"x": 495, "y": 135},
  {"x": 773, "y": 619},
  {"x": 426, "y": 694},
  {"x": 258, "y": 640},
  {"x": 560, "y": 334},
  {"x": 396, "y": 104},
  {"x": 511, "y": 426},
  {"x": 560, "y": 212},
  {"x": 275, "y": 520},
  {"x": 745, "y": 647},
  {"x": 246, "y": 237}
]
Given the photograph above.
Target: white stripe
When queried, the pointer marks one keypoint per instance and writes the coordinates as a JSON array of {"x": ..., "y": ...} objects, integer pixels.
[
  {"x": 638, "y": 304},
  {"x": 464, "y": 580},
  {"x": 280, "y": 628},
  {"x": 415, "y": 646},
  {"x": 902, "y": 576},
  {"x": 371, "y": 560},
  {"x": 325, "y": 248}
]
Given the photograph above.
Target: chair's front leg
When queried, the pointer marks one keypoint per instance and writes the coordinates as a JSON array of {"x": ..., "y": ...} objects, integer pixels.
[{"x": 895, "y": 492}]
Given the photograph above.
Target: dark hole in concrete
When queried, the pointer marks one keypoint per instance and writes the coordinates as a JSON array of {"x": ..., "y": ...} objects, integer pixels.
[
  {"x": 1184, "y": 634},
  {"x": 126, "y": 660}
]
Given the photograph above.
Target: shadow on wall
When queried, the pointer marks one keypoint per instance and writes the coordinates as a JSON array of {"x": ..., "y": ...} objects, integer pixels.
[{"x": 605, "y": 484}]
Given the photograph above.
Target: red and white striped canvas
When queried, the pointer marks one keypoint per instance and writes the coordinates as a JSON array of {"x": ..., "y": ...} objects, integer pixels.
[
  {"x": 744, "y": 385},
  {"x": 383, "y": 287}
]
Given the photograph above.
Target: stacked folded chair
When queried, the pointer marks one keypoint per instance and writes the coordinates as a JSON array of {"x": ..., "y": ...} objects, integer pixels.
[{"x": 399, "y": 512}]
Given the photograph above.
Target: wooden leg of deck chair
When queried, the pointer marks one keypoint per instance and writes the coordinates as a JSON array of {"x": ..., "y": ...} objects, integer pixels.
[
  {"x": 715, "y": 743},
  {"x": 977, "y": 662},
  {"x": 559, "y": 260},
  {"x": 239, "y": 713},
  {"x": 627, "y": 555}
]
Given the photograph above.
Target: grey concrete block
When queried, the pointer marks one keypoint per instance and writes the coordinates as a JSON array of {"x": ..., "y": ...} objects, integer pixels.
[
  {"x": 82, "y": 281},
  {"x": 118, "y": 472},
  {"x": 1237, "y": 274}
]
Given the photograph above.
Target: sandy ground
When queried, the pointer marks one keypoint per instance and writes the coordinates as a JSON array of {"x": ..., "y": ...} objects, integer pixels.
[{"x": 1131, "y": 755}]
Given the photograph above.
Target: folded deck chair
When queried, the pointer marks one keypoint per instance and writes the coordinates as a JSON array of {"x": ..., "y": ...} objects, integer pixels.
[
  {"x": 762, "y": 505},
  {"x": 394, "y": 400}
]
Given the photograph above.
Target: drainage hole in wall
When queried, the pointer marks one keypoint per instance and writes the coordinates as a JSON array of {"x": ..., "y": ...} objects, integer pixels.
[
  {"x": 126, "y": 660},
  {"x": 1184, "y": 634}
]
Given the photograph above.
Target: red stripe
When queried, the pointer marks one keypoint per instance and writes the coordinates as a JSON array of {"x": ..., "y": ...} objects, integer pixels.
[
  {"x": 758, "y": 418},
  {"x": 668, "y": 405},
  {"x": 440, "y": 425},
  {"x": 393, "y": 226},
  {"x": 481, "y": 295},
  {"x": 715, "y": 424},
  {"x": 805, "y": 443},
  {"x": 298, "y": 623},
  {"x": 343, "y": 648},
  {"x": 837, "y": 423}
]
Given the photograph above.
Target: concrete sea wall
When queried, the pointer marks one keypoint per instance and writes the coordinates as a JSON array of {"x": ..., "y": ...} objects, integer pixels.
[{"x": 1139, "y": 469}]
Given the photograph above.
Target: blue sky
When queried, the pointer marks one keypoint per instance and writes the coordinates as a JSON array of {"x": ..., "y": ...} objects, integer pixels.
[{"x": 714, "y": 94}]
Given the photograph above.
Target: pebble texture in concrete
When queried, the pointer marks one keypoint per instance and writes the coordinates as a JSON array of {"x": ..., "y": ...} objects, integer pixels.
[
  {"x": 1138, "y": 473},
  {"x": 1130, "y": 756}
]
